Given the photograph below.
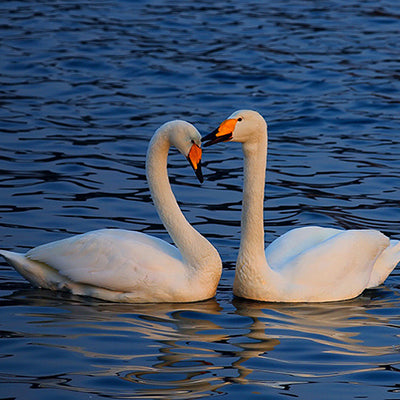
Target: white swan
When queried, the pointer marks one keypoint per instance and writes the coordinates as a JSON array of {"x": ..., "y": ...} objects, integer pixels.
[
  {"x": 128, "y": 266},
  {"x": 309, "y": 264}
]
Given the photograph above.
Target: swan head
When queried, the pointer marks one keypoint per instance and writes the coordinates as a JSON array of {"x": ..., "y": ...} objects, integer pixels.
[
  {"x": 187, "y": 139},
  {"x": 242, "y": 126}
]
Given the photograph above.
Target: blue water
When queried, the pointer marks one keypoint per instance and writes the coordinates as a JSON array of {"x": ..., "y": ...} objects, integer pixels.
[{"x": 83, "y": 86}]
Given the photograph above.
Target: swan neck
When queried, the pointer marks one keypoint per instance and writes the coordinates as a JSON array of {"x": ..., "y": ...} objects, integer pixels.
[
  {"x": 194, "y": 248},
  {"x": 252, "y": 236}
]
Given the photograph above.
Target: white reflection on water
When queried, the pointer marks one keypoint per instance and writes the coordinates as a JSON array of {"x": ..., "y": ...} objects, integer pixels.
[{"x": 199, "y": 349}]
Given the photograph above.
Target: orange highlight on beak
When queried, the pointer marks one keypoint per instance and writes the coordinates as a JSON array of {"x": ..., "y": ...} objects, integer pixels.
[
  {"x": 226, "y": 127},
  {"x": 194, "y": 155}
]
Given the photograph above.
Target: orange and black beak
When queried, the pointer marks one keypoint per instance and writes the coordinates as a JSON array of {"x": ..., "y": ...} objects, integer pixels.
[
  {"x": 222, "y": 134},
  {"x": 194, "y": 158}
]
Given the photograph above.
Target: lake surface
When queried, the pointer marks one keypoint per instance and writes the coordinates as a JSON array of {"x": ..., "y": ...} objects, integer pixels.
[{"x": 83, "y": 86}]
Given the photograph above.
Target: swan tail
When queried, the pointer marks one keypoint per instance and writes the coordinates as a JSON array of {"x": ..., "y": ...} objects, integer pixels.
[
  {"x": 37, "y": 273},
  {"x": 43, "y": 276},
  {"x": 385, "y": 264}
]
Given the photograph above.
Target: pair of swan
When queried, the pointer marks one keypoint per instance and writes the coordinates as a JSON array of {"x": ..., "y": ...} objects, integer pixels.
[{"x": 310, "y": 264}]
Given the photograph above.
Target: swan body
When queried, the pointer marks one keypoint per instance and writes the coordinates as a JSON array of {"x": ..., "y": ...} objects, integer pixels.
[
  {"x": 128, "y": 266},
  {"x": 309, "y": 264}
]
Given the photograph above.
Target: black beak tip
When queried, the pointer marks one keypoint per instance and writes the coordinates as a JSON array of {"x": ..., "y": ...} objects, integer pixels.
[
  {"x": 199, "y": 173},
  {"x": 209, "y": 139},
  {"x": 212, "y": 138},
  {"x": 197, "y": 170}
]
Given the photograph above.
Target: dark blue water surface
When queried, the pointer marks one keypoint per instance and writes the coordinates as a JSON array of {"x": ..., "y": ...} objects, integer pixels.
[{"x": 83, "y": 86}]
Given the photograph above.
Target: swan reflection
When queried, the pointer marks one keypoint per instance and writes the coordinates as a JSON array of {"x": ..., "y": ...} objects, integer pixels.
[
  {"x": 147, "y": 350},
  {"x": 322, "y": 337},
  {"x": 197, "y": 349}
]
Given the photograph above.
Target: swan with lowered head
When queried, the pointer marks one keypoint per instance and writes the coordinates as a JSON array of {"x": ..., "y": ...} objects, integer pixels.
[
  {"x": 129, "y": 266},
  {"x": 309, "y": 264}
]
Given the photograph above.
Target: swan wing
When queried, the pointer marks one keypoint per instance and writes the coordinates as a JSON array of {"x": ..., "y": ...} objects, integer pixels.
[
  {"x": 113, "y": 259},
  {"x": 385, "y": 264},
  {"x": 294, "y": 242},
  {"x": 333, "y": 267}
]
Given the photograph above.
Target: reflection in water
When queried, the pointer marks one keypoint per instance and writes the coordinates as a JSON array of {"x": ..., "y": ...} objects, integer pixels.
[
  {"x": 149, "y": 350},
  {"x": 200, "y": 349},
  {"x": 328, "y": 335},
  {"x": 182, "y": 364}
]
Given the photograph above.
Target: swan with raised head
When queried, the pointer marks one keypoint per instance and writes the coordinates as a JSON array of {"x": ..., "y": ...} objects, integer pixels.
[
  {"x": 129, "y": 266},
  {"x": 309, "y": 264}
]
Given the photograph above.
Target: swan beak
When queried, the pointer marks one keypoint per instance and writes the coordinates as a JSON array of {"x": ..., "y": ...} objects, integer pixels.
[
  {"x": 194, "y": 158},
  {"x": 222, "y": 134}
]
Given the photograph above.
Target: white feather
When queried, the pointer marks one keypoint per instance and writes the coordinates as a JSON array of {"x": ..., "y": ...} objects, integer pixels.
[
  {"x": 305, "y": 264},
  {"x": 128, "y": 266}
]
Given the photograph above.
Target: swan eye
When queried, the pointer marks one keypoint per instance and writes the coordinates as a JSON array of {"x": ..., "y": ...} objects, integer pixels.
[{"x": 240, "y": 119}]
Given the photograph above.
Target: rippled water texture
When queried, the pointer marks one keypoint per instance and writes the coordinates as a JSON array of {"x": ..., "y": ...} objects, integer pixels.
[{"x": 83, "y": 85}]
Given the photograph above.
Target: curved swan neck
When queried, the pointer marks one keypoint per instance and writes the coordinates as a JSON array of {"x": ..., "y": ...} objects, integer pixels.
[
  {"x": 195, "y": 249},
  {"x": 252, "y": 236}
]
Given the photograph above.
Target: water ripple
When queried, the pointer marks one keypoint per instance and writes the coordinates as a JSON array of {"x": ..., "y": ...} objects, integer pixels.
[{"x": 83, "y": 86}]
